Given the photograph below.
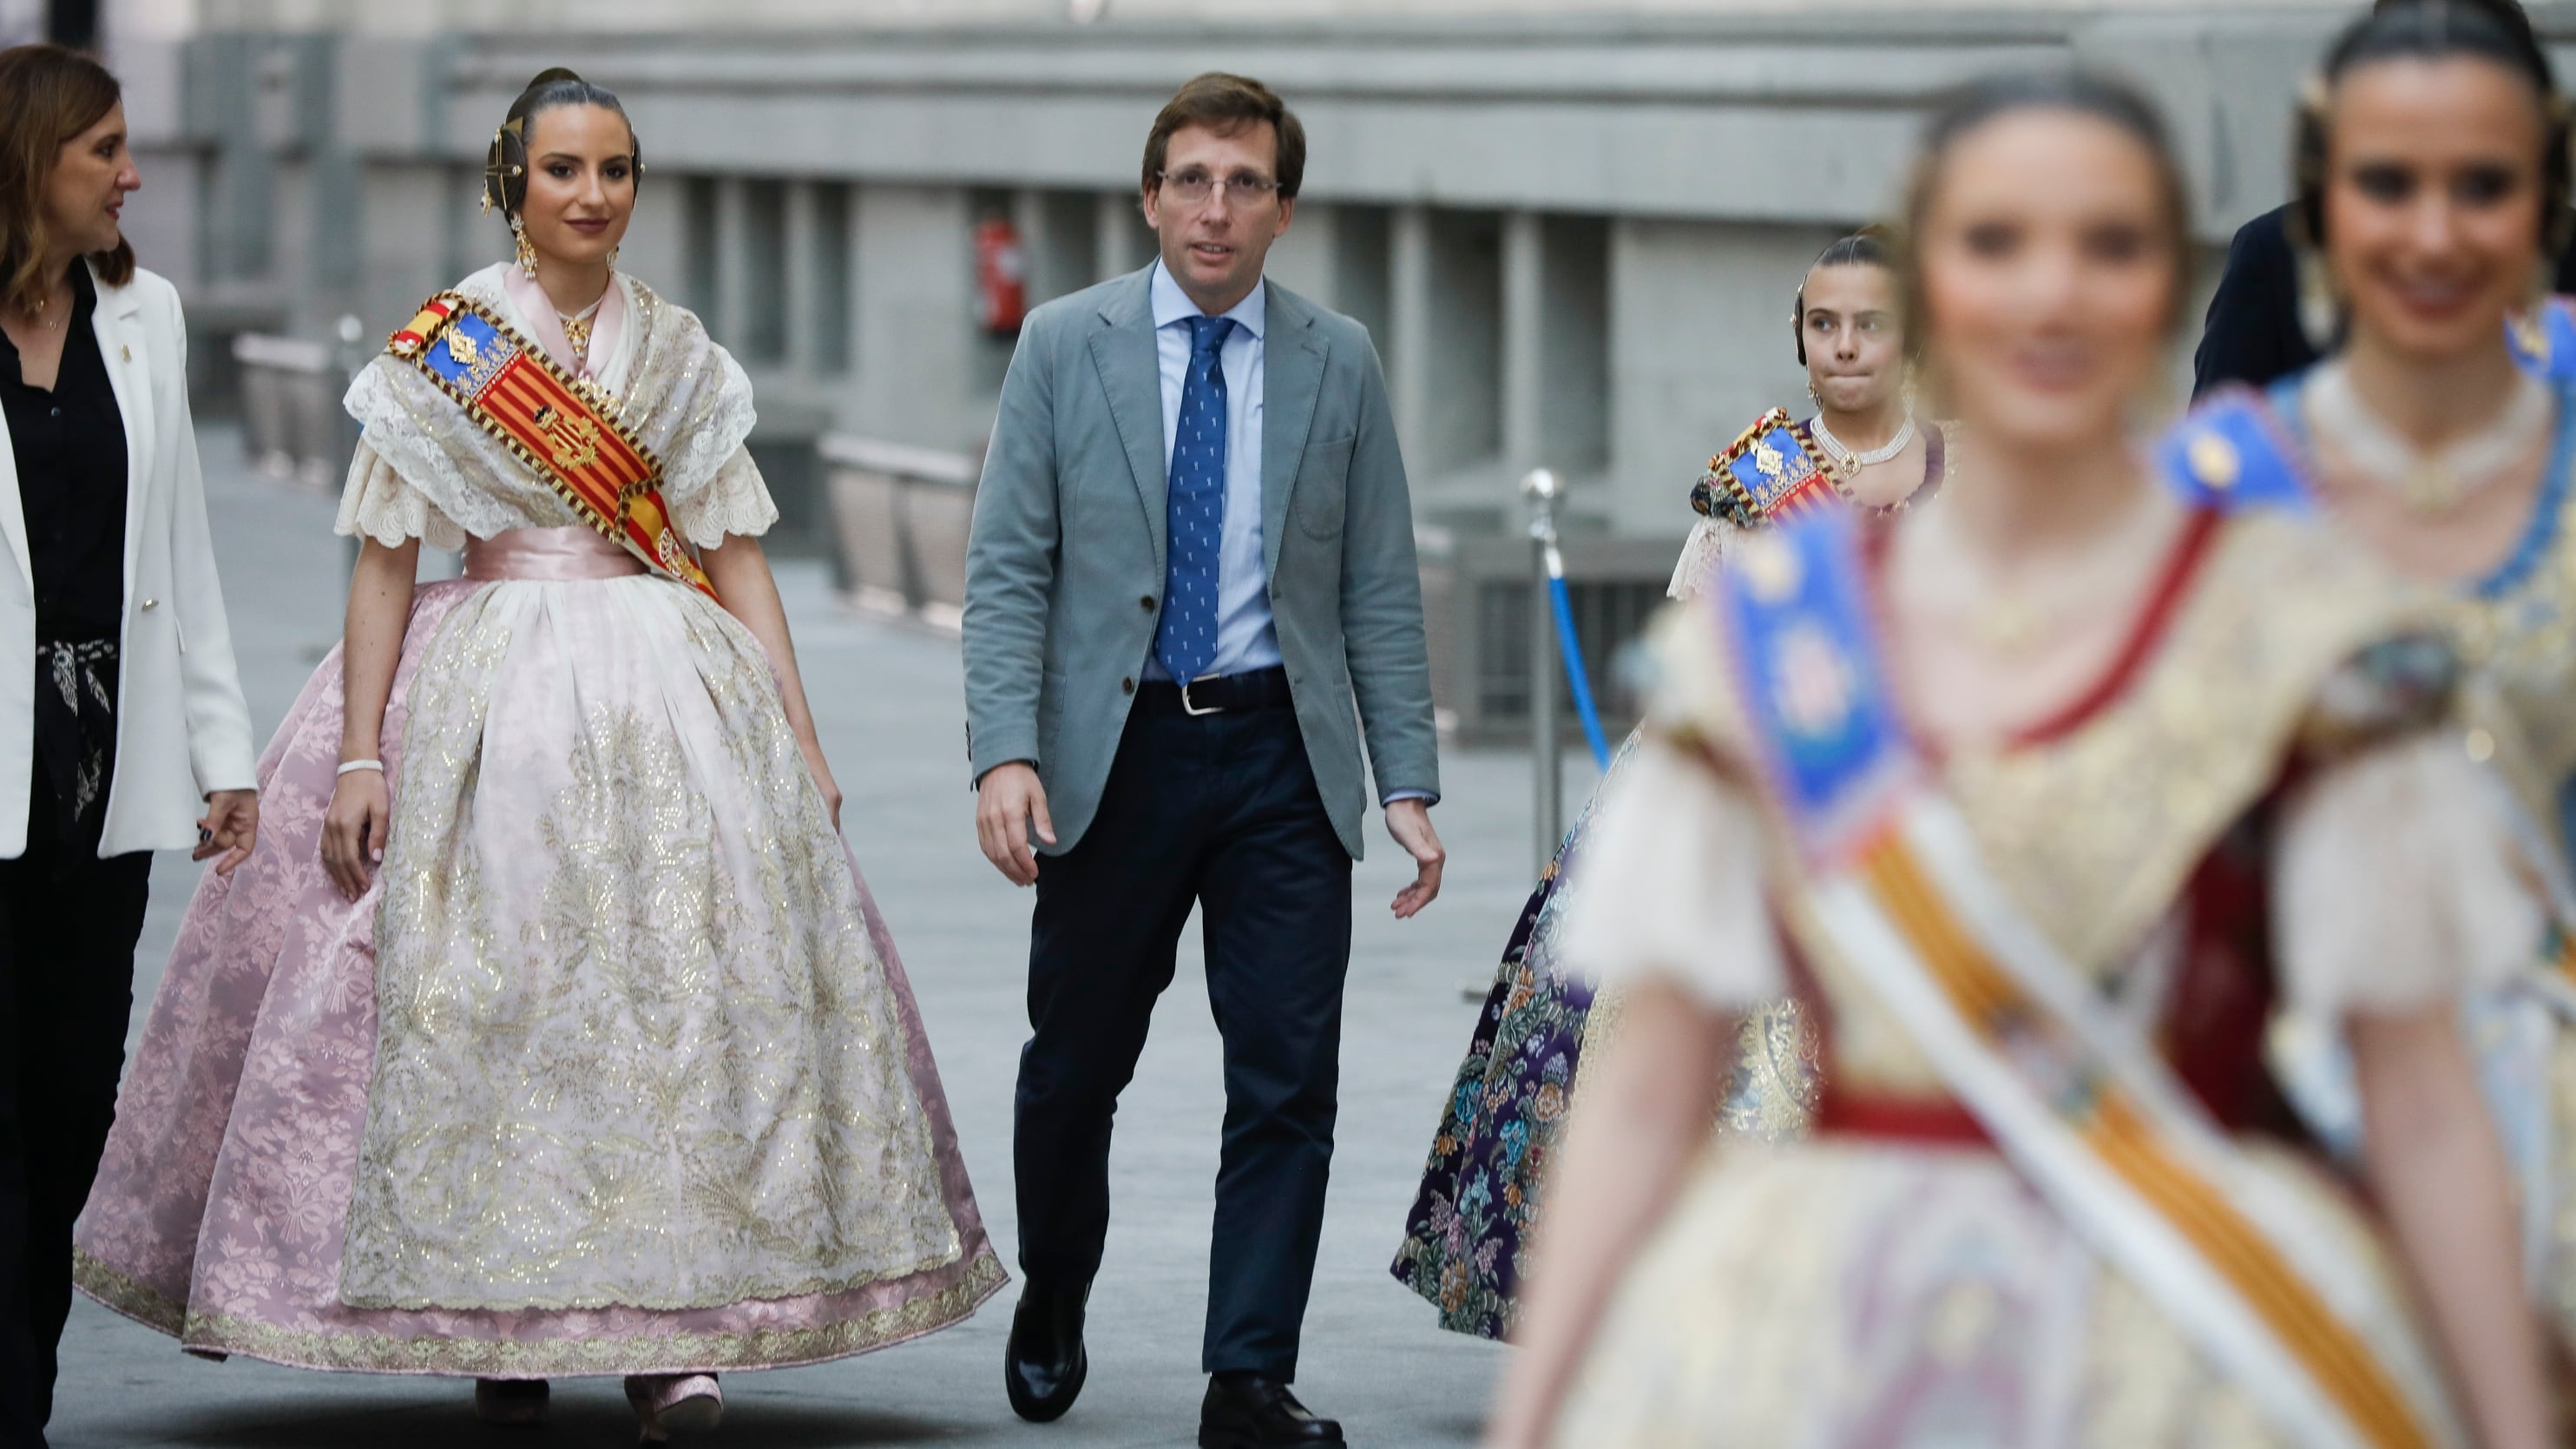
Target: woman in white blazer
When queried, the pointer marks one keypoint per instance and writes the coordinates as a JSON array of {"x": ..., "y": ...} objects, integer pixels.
[{"x": 122, "y": 727}]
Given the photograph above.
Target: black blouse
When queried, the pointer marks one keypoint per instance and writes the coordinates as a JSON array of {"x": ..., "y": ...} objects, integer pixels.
[{"x": 70, "y": 448}]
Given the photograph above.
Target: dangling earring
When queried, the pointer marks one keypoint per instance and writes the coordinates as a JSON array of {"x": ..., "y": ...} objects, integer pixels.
[
  {"x": 527, "y": 254},
  {"x": 1811, "y": 390},
  {"x": 2320, "y": 310},
  {"x": 612, "y": 256}
]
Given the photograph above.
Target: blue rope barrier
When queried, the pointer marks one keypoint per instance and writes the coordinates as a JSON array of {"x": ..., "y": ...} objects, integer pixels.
[{"x": 1572, "y": 649}]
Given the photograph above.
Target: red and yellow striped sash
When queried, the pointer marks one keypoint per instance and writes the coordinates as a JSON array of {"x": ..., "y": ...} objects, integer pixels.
[{"x": 517, "y": 395}]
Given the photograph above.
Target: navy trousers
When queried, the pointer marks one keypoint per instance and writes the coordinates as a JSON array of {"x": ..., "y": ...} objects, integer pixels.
[{"x": 1219, "y": 812}]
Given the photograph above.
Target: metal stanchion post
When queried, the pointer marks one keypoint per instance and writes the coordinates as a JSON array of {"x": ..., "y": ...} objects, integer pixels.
[{"x": 1542, "y": 489}]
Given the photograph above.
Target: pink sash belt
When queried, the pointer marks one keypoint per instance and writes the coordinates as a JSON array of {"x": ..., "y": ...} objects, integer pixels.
[{"x": 554, "y": 555}]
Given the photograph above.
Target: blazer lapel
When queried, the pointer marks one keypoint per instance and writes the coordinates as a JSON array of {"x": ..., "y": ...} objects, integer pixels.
[
  {"x": 1132, "y": 378},
  {"x": 119, "y": 325},
  {"x": 1292, "y": 364},
  {"x": 13, "y": 523}
]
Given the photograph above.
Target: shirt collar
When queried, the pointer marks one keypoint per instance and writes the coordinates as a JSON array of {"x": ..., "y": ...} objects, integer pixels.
[{"x": 1171, "y": 304}]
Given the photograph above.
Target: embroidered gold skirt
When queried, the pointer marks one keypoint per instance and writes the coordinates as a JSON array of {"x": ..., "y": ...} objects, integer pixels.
[
  {"x": 1849, "y": 1294},
  {"x": 613, "y": 1070}
]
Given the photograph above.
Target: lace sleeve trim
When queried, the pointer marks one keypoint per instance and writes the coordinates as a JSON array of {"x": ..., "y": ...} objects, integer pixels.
[
  {"x": 734, "y": 502},
  {"x": 1702, "y": 556},
  {"x": 376, "y": 503},
  {"x": 2458, "y": 914}
]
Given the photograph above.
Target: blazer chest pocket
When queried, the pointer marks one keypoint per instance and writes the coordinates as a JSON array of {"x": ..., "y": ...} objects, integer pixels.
[{"x": 1323, "y": 487}]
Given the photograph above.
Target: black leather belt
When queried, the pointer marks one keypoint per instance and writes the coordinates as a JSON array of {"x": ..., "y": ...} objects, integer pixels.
[{"x": 1217, "y": 694}]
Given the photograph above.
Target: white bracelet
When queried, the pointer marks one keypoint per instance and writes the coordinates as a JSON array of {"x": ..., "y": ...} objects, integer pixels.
[{"x": 348, "y": 767}]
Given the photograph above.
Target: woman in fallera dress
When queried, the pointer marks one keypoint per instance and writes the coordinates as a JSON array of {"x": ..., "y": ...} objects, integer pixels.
[
  {"x": 2434, "y": 175},
  {"x": 2045, "y": 798},
  {"x": 1480, "y": 1194},
  {"x": 549, "y": 1030}
]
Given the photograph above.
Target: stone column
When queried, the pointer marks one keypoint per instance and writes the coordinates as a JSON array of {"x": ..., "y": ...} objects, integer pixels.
[
  {"x": 1525, "y": 340},
  {"x": 1411, "y": 361},
  {"x": 731, "y": 320},
  {"x": 808, "y": 280},
  {"x": 1122, "y": 240}
]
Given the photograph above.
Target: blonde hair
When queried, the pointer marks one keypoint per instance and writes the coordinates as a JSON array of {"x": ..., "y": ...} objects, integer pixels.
[{"x": 48, "y": 97}]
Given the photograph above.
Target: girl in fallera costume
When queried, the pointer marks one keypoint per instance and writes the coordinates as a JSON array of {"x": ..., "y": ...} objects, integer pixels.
[
  {"x": 2044, "y": 883},
  {"x": 1471, "y": 1221},
  {"x": 2422, "y": 443},
  {"x": 549, "y": 1030}
]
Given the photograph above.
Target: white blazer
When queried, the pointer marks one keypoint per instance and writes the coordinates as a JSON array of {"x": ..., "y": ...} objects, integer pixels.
[{"x": 182, "y": 730}]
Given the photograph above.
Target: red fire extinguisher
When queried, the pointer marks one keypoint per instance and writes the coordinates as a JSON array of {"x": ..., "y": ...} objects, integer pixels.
[{"x": 1001, "y": 278}]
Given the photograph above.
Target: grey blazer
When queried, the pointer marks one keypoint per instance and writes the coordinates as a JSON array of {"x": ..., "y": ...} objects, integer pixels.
[{"x": 1066, "y": 564}]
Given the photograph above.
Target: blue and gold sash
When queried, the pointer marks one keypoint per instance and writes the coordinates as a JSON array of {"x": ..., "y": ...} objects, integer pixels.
[
  {"x": 515, "y": 393},
  {"x": 1771, "y": 471},
  {"x": 2235, "y": 452},
  {"x": 2544, "y": 340},
  {"x": 2085, "y": 1109}
]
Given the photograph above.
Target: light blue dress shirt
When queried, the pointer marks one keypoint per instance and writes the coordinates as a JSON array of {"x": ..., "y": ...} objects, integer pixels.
[{"x": 1246, "y": 639}]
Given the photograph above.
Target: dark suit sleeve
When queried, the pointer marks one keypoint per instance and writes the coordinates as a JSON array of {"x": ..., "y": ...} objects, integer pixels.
[
  {"x": 2252, "y": 332},
  {"x": 1382, "y": 634},
  {"x": 1011, "y": 562}
]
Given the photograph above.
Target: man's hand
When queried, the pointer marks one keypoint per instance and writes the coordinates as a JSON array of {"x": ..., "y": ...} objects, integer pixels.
[
  {"x": 1008, "y": 801},
  {"x": 1409, "y": 821}
]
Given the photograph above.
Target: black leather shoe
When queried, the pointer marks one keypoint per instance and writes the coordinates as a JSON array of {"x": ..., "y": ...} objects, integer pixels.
[
  {"x": 1255, "y": 1411},
  {"x": 1045, "y": 1364}
]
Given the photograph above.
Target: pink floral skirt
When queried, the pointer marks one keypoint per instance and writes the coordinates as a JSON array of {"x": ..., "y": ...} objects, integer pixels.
[{"x": 652, "y": 1095}]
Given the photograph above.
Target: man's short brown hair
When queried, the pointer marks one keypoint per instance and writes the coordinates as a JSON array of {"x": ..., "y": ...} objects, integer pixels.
[{"x": 1227, "y": 104}]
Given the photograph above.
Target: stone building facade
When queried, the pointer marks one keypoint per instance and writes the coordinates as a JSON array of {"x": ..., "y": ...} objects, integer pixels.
[{"x": 1573, "y": 229}]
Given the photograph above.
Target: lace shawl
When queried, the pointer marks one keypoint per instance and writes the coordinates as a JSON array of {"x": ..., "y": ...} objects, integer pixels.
[{"x": 424, "y": 469}]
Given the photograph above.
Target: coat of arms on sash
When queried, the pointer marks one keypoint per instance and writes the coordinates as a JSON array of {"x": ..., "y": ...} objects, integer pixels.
[{"x": 1769, "y": 472}]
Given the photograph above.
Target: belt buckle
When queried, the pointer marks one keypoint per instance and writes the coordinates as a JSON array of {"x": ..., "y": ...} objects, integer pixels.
[{"x": 1192, "y": 710}]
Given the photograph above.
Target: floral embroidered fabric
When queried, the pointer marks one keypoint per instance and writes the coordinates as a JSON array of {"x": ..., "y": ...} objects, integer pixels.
[{"x": 613, "y": 1069}]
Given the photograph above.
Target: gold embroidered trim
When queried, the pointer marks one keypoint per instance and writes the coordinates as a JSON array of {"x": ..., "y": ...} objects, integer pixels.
[
  {"x": 556, "y": 1358},
  {"x": 2094, "y": 833},
  {"x": 119, "y": 1294},
  {"x": 2520, "y": 647}
]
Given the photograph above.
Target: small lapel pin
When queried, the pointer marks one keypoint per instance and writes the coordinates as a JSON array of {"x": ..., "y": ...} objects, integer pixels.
[{"x": 126, "y": 352}]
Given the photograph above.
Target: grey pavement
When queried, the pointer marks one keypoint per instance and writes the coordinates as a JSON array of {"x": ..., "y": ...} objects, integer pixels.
[{"x": 890, "y": 707}]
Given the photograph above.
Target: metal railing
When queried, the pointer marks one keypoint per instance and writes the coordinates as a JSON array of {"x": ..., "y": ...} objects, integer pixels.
[
  {"x": 897, "y": 519},
  {"x": 293, "y": 426}
]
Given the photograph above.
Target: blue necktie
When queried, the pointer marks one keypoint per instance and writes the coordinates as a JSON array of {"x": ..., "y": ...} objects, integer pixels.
[{"x": 1194, "y": 509}]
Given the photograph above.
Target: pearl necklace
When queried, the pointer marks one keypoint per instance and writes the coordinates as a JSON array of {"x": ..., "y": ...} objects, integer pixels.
[
  {"x": 1843, "y": 454},
  {"x": 2428, "y": 481}
]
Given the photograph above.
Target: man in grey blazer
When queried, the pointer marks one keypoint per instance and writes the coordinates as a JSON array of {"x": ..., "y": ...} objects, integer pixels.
[{"x": 1191, "y": 595}]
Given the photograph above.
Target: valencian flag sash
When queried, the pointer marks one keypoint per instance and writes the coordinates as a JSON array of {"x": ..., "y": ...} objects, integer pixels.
[
  {"x": 514, "y": 392},
  {"x": 2077, "y": 1100},
  {"x": 1770, "y": 472}
]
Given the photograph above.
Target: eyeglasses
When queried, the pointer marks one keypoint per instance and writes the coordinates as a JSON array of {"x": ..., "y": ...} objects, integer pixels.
[{"x": 1192, "y": 186}]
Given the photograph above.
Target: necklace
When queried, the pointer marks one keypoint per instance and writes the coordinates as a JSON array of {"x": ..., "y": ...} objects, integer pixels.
[
  {"x": 576, "y": 327},
  {"x": 1843, "y": 454},
  {"x": 2427, "y": 481},
  {"x": 36, "y": 315},
  {"x": 2010, "y": 619}
]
